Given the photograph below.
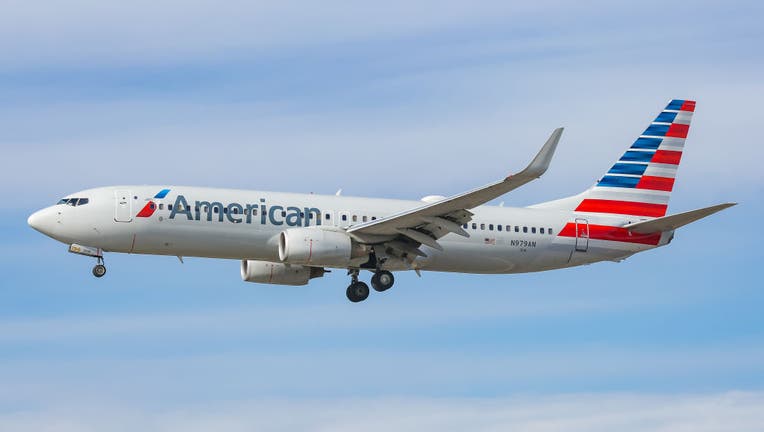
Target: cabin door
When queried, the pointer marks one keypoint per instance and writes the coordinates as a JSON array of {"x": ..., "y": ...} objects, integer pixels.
[
  {"x": 582, "y": 235},
  {"x": 123, "y": 211}
]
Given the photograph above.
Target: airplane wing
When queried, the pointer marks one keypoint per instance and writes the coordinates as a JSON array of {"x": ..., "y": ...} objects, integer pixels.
[
  {"x": 426, "y": 224},
  {"x": 675, "y": 221}
]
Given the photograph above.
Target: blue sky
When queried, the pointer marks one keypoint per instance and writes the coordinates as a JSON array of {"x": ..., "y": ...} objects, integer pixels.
[{"x": 393, "y": 100}]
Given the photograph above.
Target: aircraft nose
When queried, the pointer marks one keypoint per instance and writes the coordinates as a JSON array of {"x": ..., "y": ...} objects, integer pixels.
[
  {"x": 34, "y": 220},
  {"x": 42, "y": 221}
]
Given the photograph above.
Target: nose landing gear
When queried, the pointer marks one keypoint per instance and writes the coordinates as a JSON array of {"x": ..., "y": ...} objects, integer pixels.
[{"x": 99, "y": 270}]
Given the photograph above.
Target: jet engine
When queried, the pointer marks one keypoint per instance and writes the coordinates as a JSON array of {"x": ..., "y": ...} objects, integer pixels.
[
  {"x": 319, "y": 246},
  {"x": 278, "y": 273}
]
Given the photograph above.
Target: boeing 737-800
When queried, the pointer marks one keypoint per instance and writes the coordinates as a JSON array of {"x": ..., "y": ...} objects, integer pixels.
[{"x": 288, "y": 238}]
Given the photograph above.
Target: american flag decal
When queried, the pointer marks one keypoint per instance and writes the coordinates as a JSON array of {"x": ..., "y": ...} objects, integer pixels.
[{"x": 490, "y": 241}]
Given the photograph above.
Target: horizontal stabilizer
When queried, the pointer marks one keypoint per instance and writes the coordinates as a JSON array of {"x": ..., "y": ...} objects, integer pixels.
[{"x": 672, "y": 222}]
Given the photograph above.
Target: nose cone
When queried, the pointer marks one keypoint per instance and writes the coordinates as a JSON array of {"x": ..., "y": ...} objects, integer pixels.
[{"x": 43, "y": 221}]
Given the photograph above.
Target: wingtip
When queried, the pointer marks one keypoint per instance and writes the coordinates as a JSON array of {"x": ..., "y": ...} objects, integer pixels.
[{"x": 540, "y": 163}]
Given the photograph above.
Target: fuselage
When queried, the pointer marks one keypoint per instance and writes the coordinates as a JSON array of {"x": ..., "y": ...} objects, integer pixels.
[{"x": 243, "y": 224}]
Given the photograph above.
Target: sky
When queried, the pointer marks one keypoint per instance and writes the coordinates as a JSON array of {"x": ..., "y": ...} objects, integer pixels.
[{"x": 388, "y": 99}]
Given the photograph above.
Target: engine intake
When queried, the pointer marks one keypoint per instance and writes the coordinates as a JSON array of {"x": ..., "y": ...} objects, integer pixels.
[
  {"x": 278, "y": 273},
  {"x": 319, "y": 246}
]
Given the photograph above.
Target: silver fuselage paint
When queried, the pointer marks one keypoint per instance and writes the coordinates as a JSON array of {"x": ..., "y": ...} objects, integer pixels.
[{"x": 111, "y": 223}]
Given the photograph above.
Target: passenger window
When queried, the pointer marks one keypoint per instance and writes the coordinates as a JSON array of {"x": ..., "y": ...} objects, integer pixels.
[
  {"x": 508, "y": 228},
  {"x": 161, "y": 206},
  {"x": 490, "y": 227},
  {"x": 225, "y": 210},
  {"x": 254, "y": 211},
  {"x": 517, "y": 228},
  {"x": 311, "y": 215},
  {"x": 498, "y": 227},
  {"x": 365, "y": 218},
  {"x": 355, "y": 218},
  {"x": 283, "y": 213},
  {"x": 344, "y": 218},
  {"x": 482, "y": 226},
  {"x": 550, "y": 230},
  {"x": 541, "y": 230},
  {"x": 533, "y": 230},
  {"x": 525, "y": 229},
  {"x": 464, "y": 226},
  {"x": 474, "y": 225},
  {"x": 327, "y": 216},
  {"x": 215, "y": 209},
  {"x": 169, "y": 206}
]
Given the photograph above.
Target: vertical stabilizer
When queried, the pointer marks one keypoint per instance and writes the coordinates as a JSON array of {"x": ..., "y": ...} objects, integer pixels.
[{"x": 641, "y": 181}]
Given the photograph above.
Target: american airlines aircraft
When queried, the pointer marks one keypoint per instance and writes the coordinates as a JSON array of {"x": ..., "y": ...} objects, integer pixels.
[{"x": 288, "y": 238}]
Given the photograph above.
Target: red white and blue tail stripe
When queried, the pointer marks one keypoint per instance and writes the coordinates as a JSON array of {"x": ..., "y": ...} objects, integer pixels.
[{"x": 641, "y": 181}]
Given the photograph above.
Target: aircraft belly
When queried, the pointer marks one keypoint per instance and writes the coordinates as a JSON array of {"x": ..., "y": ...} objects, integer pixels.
[
  {"x": 464, "y": 257},
  {"x": 221, "y": 241}
]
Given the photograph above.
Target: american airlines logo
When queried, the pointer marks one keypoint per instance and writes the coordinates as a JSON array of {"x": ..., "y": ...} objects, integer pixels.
[{"x": 235, "y": 212}]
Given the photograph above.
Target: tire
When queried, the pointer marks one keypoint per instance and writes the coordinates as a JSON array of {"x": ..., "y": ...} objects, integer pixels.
[
  {"x": 99, "y": 270},
  {"x": 358, "y": 292},
  {"x": 382, "y": 280}
]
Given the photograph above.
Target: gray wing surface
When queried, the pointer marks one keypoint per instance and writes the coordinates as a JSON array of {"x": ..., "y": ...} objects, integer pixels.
[{"x": 407, "y": 230}]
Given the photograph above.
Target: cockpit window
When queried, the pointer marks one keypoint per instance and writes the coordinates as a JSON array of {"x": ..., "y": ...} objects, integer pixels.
[{"x": 74, "y": 201}]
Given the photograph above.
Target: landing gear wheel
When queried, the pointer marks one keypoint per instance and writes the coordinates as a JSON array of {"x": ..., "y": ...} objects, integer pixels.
[
  {"x": 357, "y": 292},
  {"x": 382, "y": 280},
  {"x": 99, "y": 270}
]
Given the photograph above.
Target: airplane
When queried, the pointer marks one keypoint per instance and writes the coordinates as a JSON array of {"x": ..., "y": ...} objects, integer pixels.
[{"x": 289, "y": 238}]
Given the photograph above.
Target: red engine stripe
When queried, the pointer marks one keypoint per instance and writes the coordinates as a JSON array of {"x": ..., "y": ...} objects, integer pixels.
[
  {"x": 667, "y": 157},
  {"x": 656, "y": 183},
  {"x": 622, "y": 207},
  {"x": 688, "y": 105},
  {"x": 678, "y": 130},
  {"x": 610, "y": 233}
]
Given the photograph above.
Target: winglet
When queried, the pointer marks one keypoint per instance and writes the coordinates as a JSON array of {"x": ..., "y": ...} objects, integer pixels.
[{"x": 540, "y": 163}]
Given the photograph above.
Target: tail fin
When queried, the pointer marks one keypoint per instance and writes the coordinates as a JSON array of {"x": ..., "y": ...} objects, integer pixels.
[{"x": 641, "y": 181}]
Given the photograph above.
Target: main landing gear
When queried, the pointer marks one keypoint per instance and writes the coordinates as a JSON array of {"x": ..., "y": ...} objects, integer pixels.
[
  {"x": 382, "y": 280},
  {"x": 358, "y": 291}
]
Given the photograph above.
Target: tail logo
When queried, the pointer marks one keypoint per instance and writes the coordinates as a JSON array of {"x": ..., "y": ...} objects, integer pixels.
[{"x": 641, "y": 181}]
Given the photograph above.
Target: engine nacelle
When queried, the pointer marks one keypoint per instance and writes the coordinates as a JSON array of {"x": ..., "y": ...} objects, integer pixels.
[
  {"x": 318, "y": 246},
  {"x": 278, "y": 273}
]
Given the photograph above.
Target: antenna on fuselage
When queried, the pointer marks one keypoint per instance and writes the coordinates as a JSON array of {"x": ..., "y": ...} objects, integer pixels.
[{"x": 339, "y": 192}]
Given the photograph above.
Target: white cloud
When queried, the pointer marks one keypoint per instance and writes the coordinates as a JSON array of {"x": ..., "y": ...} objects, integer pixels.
[
  {"x": 606, "y": 412},
  {"x": 85, "y": 32},
  {"x": 296, "y": 319}
]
